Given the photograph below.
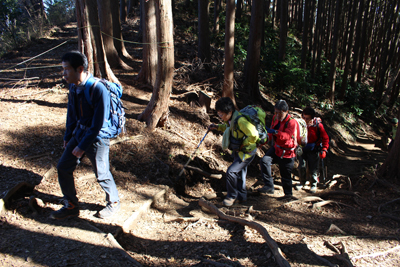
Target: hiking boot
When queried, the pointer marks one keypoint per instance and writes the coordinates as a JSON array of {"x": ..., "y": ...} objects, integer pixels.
[
  {"x": 109, "y": 210},
  {"x": 266, "y": 190},
  {"x": 68, "y": 211},
  {"x": 313, "y": 189},
  {"x": 228, "y": 202}
]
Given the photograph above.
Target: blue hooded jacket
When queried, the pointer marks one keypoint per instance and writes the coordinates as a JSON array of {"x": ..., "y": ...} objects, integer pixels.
[{"x": 84, "y": 122}]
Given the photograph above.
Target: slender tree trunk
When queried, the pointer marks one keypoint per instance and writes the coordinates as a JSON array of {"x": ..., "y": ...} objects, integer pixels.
[
  {"x": 239, "y": 9},
  {"x": 217, "y": 8},
  {"x": 148, "y": 72},
  {"x": 335, "y": 41},
  {"x": 118, "y": 39},
  {"x": 363, "y": 45},
  {"x": 204, "y": 52},
  {"x": 348, "y": 51},
  {"x": 122, "y": 10},
  {"x": 101, "y": 67},
  {"x": 283, "y": 29},
  {"x": 304, "y": 48},
  {"x": 227, "y": 90},
  {"x": 357, "y": 44},
  {"x": 252, "y": 64},
  {"x": 156, "y": 112},
  {"x": 84, "y": 33}
]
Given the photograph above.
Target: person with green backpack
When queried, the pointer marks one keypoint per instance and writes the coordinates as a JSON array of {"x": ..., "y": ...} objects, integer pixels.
[{"x": 242, "y": 137}]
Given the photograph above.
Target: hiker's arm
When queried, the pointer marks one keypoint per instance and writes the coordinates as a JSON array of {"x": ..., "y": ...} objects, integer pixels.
[
  {"x": 101, "y": 105},
  {"x": 324, "y": 137},
  {"x": 71, "y": 118},
  {"x": 221, "y": 127}
]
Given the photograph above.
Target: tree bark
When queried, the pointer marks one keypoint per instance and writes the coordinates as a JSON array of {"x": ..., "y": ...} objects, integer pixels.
[
  {"x": 283, "y": 29},
  {"x": 118, "y": 39},
  {"x": 101, "y": 66},
  {"x": 204, "y": 52},
  {"x": 156, "y": 112},
  {"x": 335, "y": 41},
  {"x": 123, "y": 11},
  {"x": 148, "y": 72},
  {"x": 227, "y": 90},
  {"x": 217, "y": 8},
  {"x": 252, "y": 64}
]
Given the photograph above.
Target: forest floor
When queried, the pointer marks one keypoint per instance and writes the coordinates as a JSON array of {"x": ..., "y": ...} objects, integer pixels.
[{"x": 161, "y": 222}]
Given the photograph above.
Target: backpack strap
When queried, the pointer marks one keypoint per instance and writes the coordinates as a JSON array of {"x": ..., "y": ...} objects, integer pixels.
[{"x": 91, "y": 82}]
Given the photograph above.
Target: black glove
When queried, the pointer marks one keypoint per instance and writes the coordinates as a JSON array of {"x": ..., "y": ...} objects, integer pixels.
[{"x": 271, "y": 131}]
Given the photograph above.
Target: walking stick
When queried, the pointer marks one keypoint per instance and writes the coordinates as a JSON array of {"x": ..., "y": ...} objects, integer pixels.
[{"x": 195, "y": 152}]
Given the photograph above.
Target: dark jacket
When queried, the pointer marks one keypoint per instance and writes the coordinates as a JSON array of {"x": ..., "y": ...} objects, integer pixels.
[{"x": 84, "y": 121}]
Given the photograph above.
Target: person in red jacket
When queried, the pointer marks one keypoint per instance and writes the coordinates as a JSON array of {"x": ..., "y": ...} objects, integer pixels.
[
  {"x": 317, "y": 146},
  {"x": 285, "y": 135}
]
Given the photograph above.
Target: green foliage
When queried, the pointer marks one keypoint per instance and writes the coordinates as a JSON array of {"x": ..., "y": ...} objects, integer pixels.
[
  {"x": 10, "y": 21},
  {"x": 60, "y": 11}
]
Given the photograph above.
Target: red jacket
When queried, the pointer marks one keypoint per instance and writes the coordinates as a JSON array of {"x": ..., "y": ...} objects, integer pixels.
[
  {"x": 285, "y": 140},
  {"x": 313, "y": 134}
]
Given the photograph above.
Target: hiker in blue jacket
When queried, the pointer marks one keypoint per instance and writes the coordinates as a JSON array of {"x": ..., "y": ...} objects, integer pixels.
[{"x": 84, "y": 135}]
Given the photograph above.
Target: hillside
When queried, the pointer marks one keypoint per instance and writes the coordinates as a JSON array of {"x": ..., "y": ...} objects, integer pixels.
[{"x": 175, "y": 231}]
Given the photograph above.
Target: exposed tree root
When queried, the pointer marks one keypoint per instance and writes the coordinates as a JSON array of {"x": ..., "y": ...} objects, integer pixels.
[
  {"x": 341, "y": 252},
  {"x": 376, "y": 254},
  {"x": 123, "y": 139},
  {"x": 204, "y": 173},
  {"x": 340, "y": 192},
  {"x": 270, "y": 242}
]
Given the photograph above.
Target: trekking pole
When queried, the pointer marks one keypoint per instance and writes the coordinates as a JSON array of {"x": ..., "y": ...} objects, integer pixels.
[
  {"x": 195, "y": 152},
  {"x": 323, "y": 171}
]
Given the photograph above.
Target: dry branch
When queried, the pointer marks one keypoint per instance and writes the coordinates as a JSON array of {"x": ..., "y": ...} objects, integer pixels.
[
  {"x": 341, "y": 192},
  {"x": 204, "y": 173},
  {"x": 270, "y": 242},
  {"x": 341, "y": 254},
  {"x": 181, "y": 136}
]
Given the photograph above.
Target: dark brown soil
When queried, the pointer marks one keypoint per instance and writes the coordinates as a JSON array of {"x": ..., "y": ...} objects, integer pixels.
[{"x": 32, "y": 119}]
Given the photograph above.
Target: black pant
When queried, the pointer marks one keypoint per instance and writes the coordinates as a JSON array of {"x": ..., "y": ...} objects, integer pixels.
[{"x": 285, "y": 168}]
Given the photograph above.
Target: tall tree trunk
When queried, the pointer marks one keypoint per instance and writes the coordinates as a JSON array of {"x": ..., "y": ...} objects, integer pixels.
[
  {"x": 349, "y": 49},
  {"x": 317, "y": 37},
  {"x": 156, "y": 112},
  {"x": 305, "y": 39},
  {"x": 131, "y": 6},
  {"x": 122, "y": 11},
  {"x": 364, "y": 44},
  {"x": 357, "y": 44},
  {"x": 148, "y": 72},
  {"x": 283, "y": 29},
  {"x": 104, "y": 7},
  {"x": 217, "y": 9},
  {"x": 239, "y": 9},
  {"x": 335, "y": 41},
  {"x": 118, "y": 39},
  {"x": 101, "y": 66},
  {"x": 204, "y": 52},
  {"x": 84, "y": 33},
  {"x": 252, "y": 64},
  {"x": 227, "y": 90}
]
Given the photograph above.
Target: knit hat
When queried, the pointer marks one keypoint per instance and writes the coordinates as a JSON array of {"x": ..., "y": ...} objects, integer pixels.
[{"x": 394, "y": 120}]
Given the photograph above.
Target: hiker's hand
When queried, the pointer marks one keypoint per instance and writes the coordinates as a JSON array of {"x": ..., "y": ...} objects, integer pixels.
[
  {"x": 212, "y": 127},
  {"x": 322, "y": 155},
  {"x": 65, "y": 144},
  {"x": 77, "y": 152},
  {"x": 271, "y": 131}
]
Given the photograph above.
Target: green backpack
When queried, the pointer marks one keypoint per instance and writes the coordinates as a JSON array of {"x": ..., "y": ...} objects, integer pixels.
[{"x": 256, "y": 116}]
